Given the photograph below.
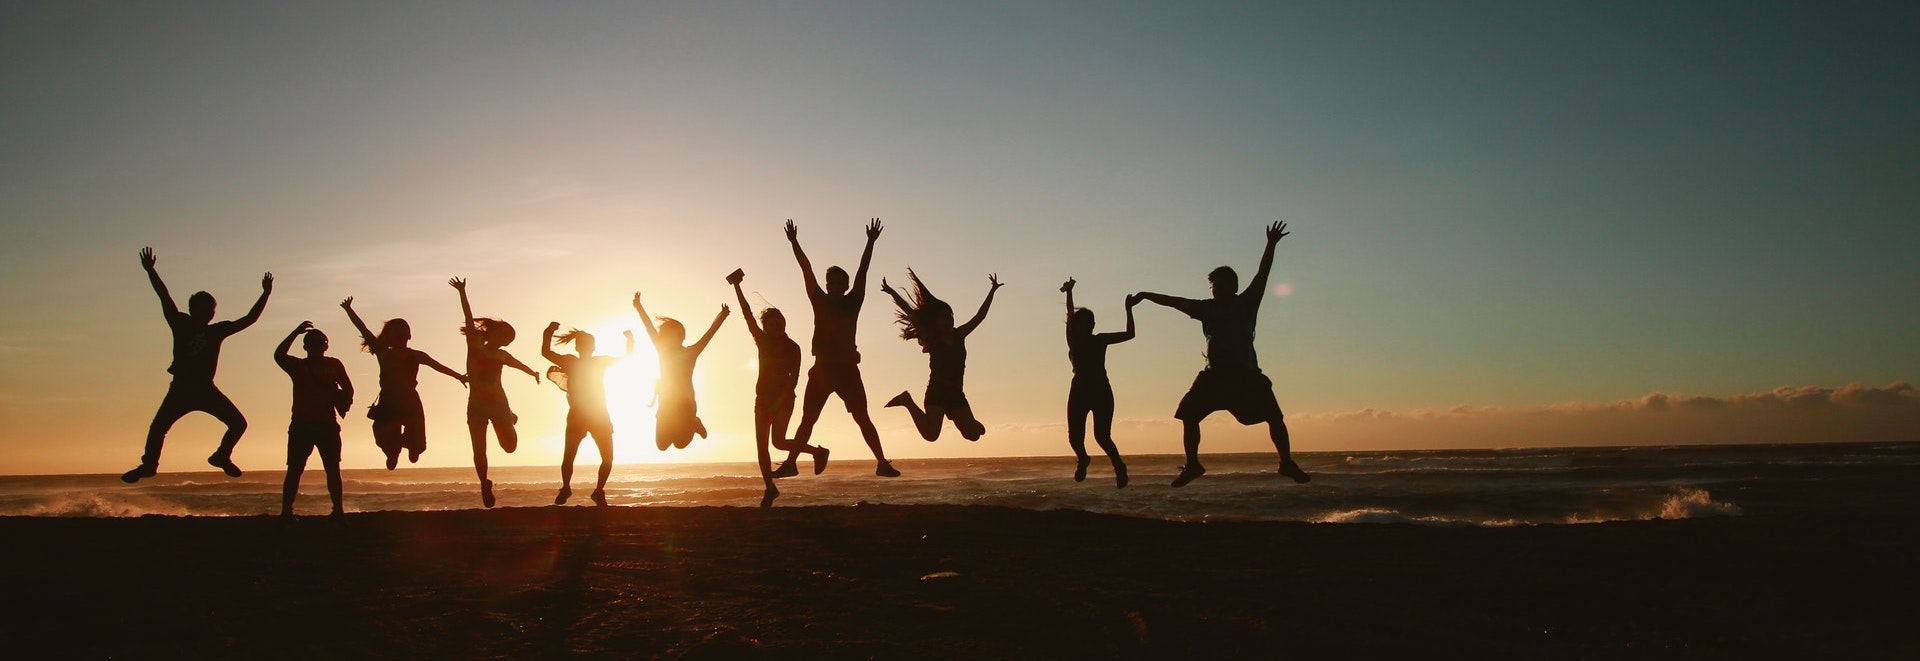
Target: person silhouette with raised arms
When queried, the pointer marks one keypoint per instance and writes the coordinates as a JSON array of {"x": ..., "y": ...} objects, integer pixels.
[
  {"x": 584, "y": 378},
  {"x": 399, "y": 420},
  {"x": 779, "y": 359},
  {"x": 196, "y": 355},
  {"x": 836, "y": 359},
  {"x": 929, "y": 320},
  {"x": 321, "y": 391},
  {"x": 1090, "y": 392},
  {"x": 1232, "y": 380},
  {"x": 487, "y": 398},
  {"x": 678, "y": 419}
]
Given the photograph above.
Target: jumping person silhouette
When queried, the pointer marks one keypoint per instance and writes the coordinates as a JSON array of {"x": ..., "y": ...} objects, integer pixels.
[
  {"x": 196, "y": 355},
  {"x": 836, "y": 360},
  {"x": 773, "y": 393},
  {"x": 487, "y": 400},
  {"x": 929, "y": 320},
  {"x": 321, "y": 391},
  {"x": 678, "y": 419},
  {"x": 399, "y": 420},
  {"x": 1091, "y": 393},
  {"x": 1232, "y": 380},
  {"x": 584, "y": 377}
]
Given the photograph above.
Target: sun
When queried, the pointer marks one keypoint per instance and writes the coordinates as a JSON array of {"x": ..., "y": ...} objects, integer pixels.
[{"x": 630, "y": 393}]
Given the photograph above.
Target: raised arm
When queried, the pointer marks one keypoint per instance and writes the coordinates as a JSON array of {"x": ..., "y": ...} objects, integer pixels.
[
  {"x": 147, "y": 261},
  {"x": 746, "y": 311},
  {"x": 806, "y": 267},
  {"x": 280, "y": 352},
  {"x": 1116, "y": 338},
  {"x": 546, "y": 344},
  {"x": 437, "y": 367},
  {"x": 373, "y": 341},
  {"x": 510, "y": 361},
  {"x": 1068, "y": 288},
  {"x": 897, "y": 300},
  {"x": 980, "y": 316},
  {"x": 259, "y": 306},
  {"x": 1175, "y": 302},
  {"x": 466, "y": 310},
  {"x": 859, "y": 290},
  {"x": 1275, "y": 232},
  {"x": 652, "y": 333},
  {"x": 702, "y": 344},
  {"x": 629, "y": 336}
]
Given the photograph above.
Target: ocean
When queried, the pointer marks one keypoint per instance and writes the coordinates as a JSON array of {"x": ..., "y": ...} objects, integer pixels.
[{"x": 1534, "y": 486}]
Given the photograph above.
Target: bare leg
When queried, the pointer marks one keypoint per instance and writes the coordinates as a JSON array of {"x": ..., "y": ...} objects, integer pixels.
[
  {"x": 1190, "y": 437},
  {"x": 224, "y": 410},
  {"x": 605, "y": 444},
  {"x": 292, "y": 486},
  {"x": 761, "y": 437},
  {"x": 509, "y": 437},
  {"x": 334, "y": 490},
  {"x": 928, "y": 423},
  {"x": 477, "y": 434},
  {"x": 1277, "y": 430},
  {"x": 872, "y": 436},
  {"x": 567, "y": 453},
  {"x": 1103, "y": 434}
]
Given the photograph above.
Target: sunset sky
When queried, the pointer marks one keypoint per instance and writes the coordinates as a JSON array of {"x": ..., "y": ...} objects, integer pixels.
[{"x": 1513, "y": 223}]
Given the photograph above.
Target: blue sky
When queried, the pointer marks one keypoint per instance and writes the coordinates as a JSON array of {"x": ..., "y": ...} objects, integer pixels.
[{"x": 1509, "y": 205}]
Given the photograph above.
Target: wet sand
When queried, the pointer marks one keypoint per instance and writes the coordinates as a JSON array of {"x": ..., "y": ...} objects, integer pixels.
[{"x": 916, "y": 582}]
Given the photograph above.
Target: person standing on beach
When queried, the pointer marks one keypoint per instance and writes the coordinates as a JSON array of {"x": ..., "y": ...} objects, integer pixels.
[
  {"x": 399, "y": 420},
  {"x": 1090, "y": 392},
  {"x": 196, "y": 355},
  {"x": 584, "y": 378},
  {"x": 1231, "y": 380},
  {"x": 678, "y": 419},
  {"x": 487, "y": 398},
  {"x": 321, "y": 391},
  {"x": 929, "y": 320},
  {"x": 779, "y": 361},
  {"x": 836, "y": 360}
]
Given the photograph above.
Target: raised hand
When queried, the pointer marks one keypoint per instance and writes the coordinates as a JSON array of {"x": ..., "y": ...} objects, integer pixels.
[
  {"x": 458, "y": 283},
  {"x": 551, "y": 326},
  {"x": 303, "y": 327},
  {"x": 266, "y": 282},
  {"x": 1277, "y": 231},
  {"x": 627, "y": 334},
  {"x": 1067, "y": 286},
  {"x": 724, "y": 310},
  {"x": 884, "y": 287},
  {"x": 147, "y": 260},
  {"x": 1133, "y": 299},
  {"x": 348, "y": 305},
  {"x": 793, "y": 232},
  {"x": 994, "y": 279},
  {"x": 873, "y": 230}
]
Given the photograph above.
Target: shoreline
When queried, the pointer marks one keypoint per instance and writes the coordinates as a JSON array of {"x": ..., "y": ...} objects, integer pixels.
[{"x": 950, "y": 581}]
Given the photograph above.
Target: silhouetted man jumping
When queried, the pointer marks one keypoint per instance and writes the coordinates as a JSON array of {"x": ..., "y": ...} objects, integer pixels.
[
  {"x": 196, "y": 354},
  {"x": 836, "y": 361},
  {"x": 1232, "y": 380}
]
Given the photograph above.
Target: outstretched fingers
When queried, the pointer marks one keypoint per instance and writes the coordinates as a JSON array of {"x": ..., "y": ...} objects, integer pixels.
[
  {"x": 1277, "y": 231},
  {"x": 147, "y": 259},
  {"x": 873, "y": 229}
]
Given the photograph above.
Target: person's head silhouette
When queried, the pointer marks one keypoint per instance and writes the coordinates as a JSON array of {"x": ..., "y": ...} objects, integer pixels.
[
  {"x": 774, "y": 321},
  {"x": 836, "y": 280},
  {"x": 672, "y": 331},
  {"x": 396, "y": 332},
  {"x": 1080, "y": 323},
  {"x": 1225, "y": 282},
  {"x": 315, "y": 343},
  {"x": 582, "y": 341},
  {"x": 200, "y": 307}
]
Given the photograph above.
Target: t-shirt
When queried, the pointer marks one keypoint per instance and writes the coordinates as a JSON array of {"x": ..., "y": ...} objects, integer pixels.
[
  {"x": 1088, "y": 355},
  {"x": 779, "y": 364},
  {"x": 1228, "y": 324},
  {"x": 316, "y": 384},
  {"x": 835, "y": 322},
  {"x": 196, "y": 347}
]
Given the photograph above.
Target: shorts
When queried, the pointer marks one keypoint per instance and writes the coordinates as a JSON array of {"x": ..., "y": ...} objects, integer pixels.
[
  {"x": 1248, "y": 395},
  {"x": 1090, "y": 394},
  {"x": 945, "y": 396},
  {"x": 305, "y": 436},
  {"x": 496, "y": 411},
  {"x": 581, "y": 423},
  {"x": 839, "y": 378},
  {"x": 769, "y": 404}
]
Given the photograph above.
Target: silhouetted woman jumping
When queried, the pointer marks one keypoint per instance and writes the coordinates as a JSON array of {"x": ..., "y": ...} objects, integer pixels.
[
  {"x": 584, "y": 377},
  {"x": 1091, "y": 392},
  {"x": 487, "y": 401},
  {"x": 773, "y": 393},
  {"x": 678, "y": 420},
  {"x": 399, "y": 421},
  {"x": 930, "y": 321}
]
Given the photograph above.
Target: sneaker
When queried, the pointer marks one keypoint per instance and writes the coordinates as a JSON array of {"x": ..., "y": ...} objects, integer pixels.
[
  {"x": 486, "y": 493},
  {"x": 393, "y": 459},
  {"x": 786, "y": 469},
  {"x": 413, "y": 455},
  {"x": 1189, "y": 473},
  {"x": 139, "y": 472},
  {"x": 885, "y": 469},
  {"x": 766, "y": 499},
  {"x": 222, "y": 462},
  {"x": 1080, "y": 469},
  {"x": 1292, "y": 470},
  {"x": 561, "y": 499},
  {"x": 1119, "y": 475},
  {"x": 820, "y": 461},
  {"x": 599, "y": 497},
  {"x": 902, "y": 399}
]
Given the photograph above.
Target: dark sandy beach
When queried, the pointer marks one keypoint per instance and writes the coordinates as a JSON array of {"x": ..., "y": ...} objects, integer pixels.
[{"x": 899, "y": 582}]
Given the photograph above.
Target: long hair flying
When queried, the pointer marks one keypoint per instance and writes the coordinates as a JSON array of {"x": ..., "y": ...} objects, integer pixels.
[{"x": 917, "y": 319}]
